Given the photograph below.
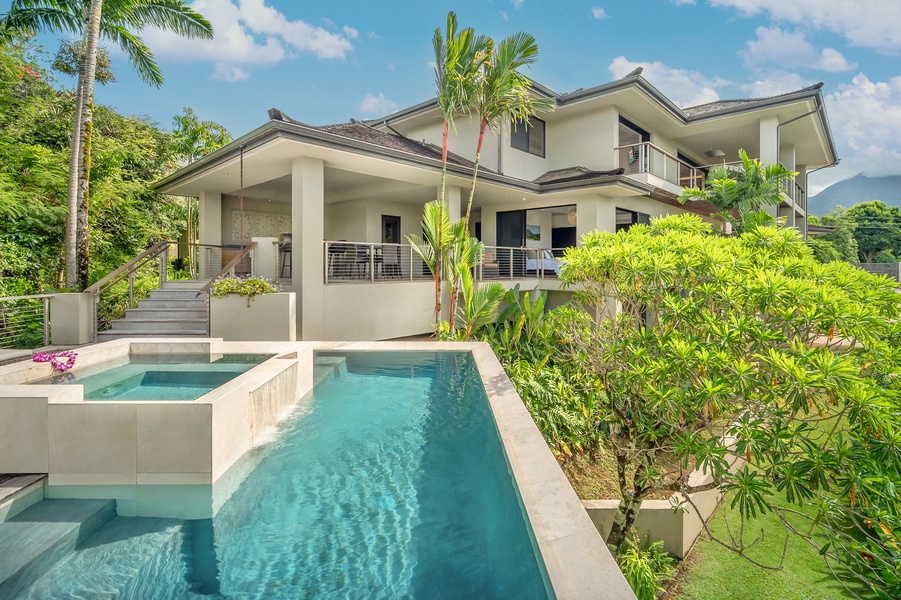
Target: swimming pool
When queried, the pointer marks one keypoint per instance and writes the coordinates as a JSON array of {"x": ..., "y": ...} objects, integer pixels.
[
  {"x": 157, "y": 376},
  {"x": 391, "y": 483}
]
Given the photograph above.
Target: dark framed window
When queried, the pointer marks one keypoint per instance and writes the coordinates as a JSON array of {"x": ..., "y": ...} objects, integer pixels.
[{"x": 528, "y": 136}]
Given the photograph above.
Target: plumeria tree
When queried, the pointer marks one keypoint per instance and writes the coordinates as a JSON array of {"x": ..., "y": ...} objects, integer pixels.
[{"x": 713, "y": 347}]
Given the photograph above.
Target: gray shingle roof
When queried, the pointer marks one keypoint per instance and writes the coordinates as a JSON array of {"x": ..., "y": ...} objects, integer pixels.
[{"x": 710, "y": 107}]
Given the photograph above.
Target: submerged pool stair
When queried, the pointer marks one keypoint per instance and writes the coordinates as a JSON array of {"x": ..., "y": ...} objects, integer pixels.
[
  {"x": 173, "y": 311},
  {"x": 37, "y": 538}
]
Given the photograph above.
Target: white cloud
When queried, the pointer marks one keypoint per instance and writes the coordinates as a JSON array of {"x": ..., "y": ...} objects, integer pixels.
[
  {"x": 599, "y": 13},
  {"x": 685, "y": 88},
  {"x": 788, "y": 50},
  {"x": 682, "y": 2},
  {"x": 247, "y": 32},
  {"x": 517, "y": 4},
  {"x": 504, "y": 15},
  {"x": 774, "y": 83},
  {"x": 225, "y": 72},
  {"x": 866, "y": 120},
  {"x": 377, "y": 104},
  {"x": 869, "y": 23},
  {"x": 350, "y": 32}
]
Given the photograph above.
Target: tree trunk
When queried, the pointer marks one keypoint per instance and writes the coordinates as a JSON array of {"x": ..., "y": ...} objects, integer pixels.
[
  {"x": 74, "y": 178},
  {"x": 626, "y": 513},
  {"x": 439, "y": 250},
  {"x": 475, "y": 170},
  {"x": 83, "y": 148}
]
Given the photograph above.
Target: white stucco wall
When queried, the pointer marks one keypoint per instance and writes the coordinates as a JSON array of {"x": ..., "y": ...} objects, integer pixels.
[
  {"x": 361, "y": 220},
  {"x": 586, "y": 140},
  {"x": 377, "y": 311},
  {"x": 462, "y": 143}
]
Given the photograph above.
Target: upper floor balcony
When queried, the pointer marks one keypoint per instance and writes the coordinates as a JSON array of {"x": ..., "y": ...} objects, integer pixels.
[{"x": 643, "y": 159}]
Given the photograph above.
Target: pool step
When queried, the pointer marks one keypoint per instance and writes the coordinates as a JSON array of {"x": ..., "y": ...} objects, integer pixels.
[
  {"x": 111, "y": 562},
  {"x": 38, "y": 537}
]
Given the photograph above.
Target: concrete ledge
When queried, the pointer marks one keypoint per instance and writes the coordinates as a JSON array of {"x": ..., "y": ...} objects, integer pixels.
[{"x": 19, "y": 493}]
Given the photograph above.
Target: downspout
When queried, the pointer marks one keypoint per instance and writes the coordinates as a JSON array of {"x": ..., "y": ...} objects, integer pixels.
[{"x": 500, "y": 160}]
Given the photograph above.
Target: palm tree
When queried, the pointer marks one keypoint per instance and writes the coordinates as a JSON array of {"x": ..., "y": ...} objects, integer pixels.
[
  {"x": 504, "y": 94},
  {"x": 741, "y": 190},
  {"x": 459, "y": 57},
  {"x": 433, "y": 245},
  {"x": 113, "y": 20}
]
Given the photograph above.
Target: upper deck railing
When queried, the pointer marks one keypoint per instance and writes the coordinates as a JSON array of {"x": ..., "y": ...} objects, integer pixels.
[{"x": 359, "y": 262}]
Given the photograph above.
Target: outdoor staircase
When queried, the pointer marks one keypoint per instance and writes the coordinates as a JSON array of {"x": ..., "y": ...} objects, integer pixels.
[{"x": 176, "y": 310}]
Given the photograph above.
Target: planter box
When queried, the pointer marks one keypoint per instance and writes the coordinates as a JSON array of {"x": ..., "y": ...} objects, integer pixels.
[{"x": 270, "y": 317}]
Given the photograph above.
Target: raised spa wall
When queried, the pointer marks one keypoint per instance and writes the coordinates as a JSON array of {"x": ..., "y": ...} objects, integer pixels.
[{"x": 51, "y": 429}]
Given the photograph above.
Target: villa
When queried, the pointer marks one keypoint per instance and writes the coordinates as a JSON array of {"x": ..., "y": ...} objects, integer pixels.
[{"x": 330, "y": 206}]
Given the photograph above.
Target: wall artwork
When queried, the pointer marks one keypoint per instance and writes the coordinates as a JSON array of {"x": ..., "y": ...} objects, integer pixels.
[
  {"x": 259, "y": 224},
  {"x": 533, "y": 232}
]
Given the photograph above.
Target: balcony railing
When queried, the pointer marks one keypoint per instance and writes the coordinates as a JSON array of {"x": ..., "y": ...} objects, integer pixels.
[
  {"x": 648, "y": 158},
  {"x": 355, "y": 262}
]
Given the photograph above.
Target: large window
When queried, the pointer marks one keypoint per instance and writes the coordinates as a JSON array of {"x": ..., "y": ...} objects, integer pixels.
[{"x": 528, "y": 137}]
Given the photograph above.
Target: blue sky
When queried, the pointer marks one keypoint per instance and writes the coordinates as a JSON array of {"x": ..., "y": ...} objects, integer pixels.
[{"x": 325, "y": 62}]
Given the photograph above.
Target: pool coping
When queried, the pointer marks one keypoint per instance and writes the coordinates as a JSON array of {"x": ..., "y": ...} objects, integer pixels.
[{"x": 576, "y": 559}]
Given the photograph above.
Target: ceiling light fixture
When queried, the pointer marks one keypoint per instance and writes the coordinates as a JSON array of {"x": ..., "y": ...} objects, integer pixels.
[{"x": 714, "y": 153}]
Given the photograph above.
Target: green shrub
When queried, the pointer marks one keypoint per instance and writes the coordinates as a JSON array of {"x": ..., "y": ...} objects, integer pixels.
[
  {"x": 248, "y": 288},
  {"x": 646, "y": 570}
]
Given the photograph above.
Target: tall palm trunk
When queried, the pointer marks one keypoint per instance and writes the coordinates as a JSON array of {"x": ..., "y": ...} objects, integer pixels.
[
  {"x": 74, "y": 176},
  {"x": 439, "y": 251},
  {"x": 475, "y": 169},
  {"x": 92, "y": 35}
]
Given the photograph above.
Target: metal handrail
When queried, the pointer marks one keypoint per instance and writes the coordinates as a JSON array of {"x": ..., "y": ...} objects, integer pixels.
[
  {"x": 229, "y": 268},
  {"x": 128, "y": 269}
]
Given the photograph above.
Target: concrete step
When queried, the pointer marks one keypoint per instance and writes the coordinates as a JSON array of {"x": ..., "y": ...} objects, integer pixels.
[
  {"x": 38, "y": 537},
  {"x": 166, "y": 314},
  {"x": 105, "y": 336},
  {"x": 112, "y": 562},
  {"x": 153, "y": 325},
  {"x": 175, "y": 295},
  {"x": 158, "y": 304},
  {"x": 19, "y": 492},
  {"x": 185, "y": 284}
]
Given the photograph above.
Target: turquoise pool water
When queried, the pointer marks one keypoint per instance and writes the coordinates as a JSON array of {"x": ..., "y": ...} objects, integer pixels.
[
  {"x": 390, "y": 483},
  {"x": 159, "y": 376}
]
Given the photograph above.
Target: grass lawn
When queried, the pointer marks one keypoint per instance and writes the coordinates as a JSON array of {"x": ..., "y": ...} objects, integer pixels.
[{"x": 715, "y": 573}]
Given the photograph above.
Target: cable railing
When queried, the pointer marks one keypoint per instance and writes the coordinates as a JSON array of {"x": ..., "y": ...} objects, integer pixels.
[
  {"x": 241, "y": 263},
  {"x": 25, "y": 321},
  {"x": 502, "y": 262},
  {"x": 358, "y": 262},
  {"x": 349, "y": 262}
]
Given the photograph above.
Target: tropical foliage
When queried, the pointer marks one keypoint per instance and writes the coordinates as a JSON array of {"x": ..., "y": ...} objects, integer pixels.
[
  {"x": 709, "y": 345},
  {"x": 128, "y": 154},
  {"x": 116, "y": 21},
  {"x": 738, "y": 191}
]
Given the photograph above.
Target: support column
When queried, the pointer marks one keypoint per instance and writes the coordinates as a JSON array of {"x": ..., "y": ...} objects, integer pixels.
[
  {"x": 769, "y": 148},
  {"x": 209, "y": 260},
  {"x": 307, "y": 235},
  {"x": 455, "y": 202}
]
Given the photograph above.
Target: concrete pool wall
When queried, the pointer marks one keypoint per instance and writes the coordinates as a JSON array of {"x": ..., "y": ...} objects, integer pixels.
[{"x": 51, "y": 429}]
